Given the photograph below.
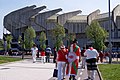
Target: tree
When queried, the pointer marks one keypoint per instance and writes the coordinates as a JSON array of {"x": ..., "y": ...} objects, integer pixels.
[
  {"x": 21, "y": 42},
  {"x": 97, "y": 34},
  {"x": 9, "y": 39},
  {"x": 29, "y": 36},
  {"x": 58, "y": 34},
  {"x": 42, "y": 40},
  {"x": 70, "y": 37},
  {"x": 1, "y": 44}
]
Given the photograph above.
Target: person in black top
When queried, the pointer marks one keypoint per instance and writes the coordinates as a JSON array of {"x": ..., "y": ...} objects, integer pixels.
[
  {"x": 83, "y": 57},
  {"x": 55, "y": 55}
]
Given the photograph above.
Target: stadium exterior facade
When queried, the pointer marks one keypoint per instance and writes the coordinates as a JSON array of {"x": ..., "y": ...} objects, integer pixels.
[{"x": 17, "y": 21}]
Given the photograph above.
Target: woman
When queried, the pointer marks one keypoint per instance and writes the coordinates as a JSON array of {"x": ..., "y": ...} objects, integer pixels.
[
  {"x": 43, "y": 56},
  {"x": 61, "y": 62},
  {"x": 101, "y": 55}
]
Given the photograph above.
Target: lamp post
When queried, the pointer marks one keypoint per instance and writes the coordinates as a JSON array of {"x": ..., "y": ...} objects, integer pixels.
[{"x": 110, "y": 44}]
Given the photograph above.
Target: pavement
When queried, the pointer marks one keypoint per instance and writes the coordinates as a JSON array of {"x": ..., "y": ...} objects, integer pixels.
[{"x": 27, "y": 70}]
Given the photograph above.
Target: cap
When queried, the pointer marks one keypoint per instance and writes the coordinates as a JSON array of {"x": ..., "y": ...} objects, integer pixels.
[{"x": 62, "y": 47}]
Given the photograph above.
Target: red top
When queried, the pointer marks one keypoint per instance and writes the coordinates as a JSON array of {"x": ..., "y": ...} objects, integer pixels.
[
  {"x": 42, "y": 53},
  {"x": 101, "y": 54},
  {"x": 62, "y": 55}
]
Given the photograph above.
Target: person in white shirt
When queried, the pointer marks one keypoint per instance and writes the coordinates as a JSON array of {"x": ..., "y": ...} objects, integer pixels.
[
  {"x": 34, "y": 51},
  {"x": 91, "y": 59}
]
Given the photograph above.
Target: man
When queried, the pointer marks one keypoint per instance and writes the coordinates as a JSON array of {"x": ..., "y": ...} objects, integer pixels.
[
  {"x": 91, "y": 59},
  {"x": 48, "y": 52},
  {"x": 34, "y": 51},
  {"x": 73, "y": 59}
]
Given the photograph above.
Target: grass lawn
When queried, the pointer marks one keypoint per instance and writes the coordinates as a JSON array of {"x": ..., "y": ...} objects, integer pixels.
[
  {"x": 5, "y": 59},
  {"x": 110, "y": 71}
]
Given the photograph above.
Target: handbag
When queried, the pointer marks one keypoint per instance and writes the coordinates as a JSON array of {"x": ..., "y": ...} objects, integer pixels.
[{"x": 55, "y": 72}]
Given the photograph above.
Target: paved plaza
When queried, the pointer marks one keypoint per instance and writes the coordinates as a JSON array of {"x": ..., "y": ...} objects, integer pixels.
[{"x": 26, "y": 70}]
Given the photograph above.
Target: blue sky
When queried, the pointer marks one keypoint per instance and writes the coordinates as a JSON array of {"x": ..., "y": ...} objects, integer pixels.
[{"x": 87, "y": 6}]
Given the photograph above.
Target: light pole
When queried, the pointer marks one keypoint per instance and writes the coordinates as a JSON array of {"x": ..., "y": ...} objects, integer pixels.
[{"x": 110, "y": 44}]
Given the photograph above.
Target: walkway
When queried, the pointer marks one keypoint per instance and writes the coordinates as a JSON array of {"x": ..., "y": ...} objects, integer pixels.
[{"x": 26, "y": 70}]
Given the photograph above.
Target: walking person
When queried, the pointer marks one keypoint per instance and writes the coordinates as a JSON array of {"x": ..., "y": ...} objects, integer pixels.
[
  {"x": 101, "y": 55},
  {"x": 83, "y": 57},
  {"x": 55, "y": 54},
  {"x": 73, "y": 58},
  {"x": 42, "y": 56},
  {"x": 48, "y": 52},
  {"x": 91, "y": 59},
  {"x": 34, "y": 51},
  {"x": 107, "y": 56},
  {"x": 61, "y": 62}
]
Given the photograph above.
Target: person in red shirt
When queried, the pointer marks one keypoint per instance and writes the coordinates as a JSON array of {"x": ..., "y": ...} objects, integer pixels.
[
  {"x": 61, "y": 62},
  {"x": 42, "y": 56},
  {"x": 101, "y": 55}
]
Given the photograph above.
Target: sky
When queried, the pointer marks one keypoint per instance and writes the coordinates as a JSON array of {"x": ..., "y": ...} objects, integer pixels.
[{"x": 86, "y": 6}]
